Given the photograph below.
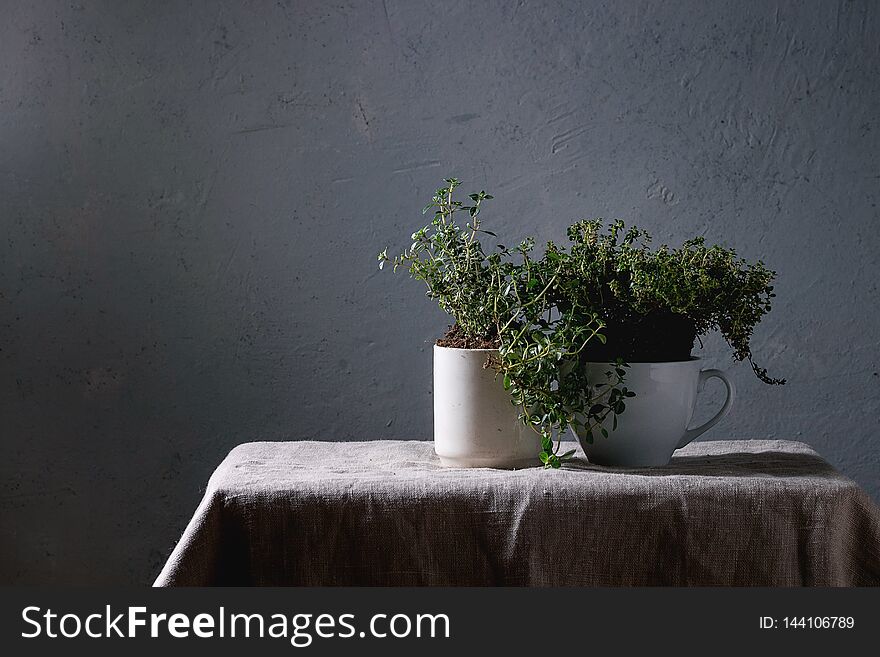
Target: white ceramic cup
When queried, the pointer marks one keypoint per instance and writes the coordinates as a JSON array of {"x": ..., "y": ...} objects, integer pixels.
[
  {"x": 655, "y": 421},
  {"x": 475, "y": 423}
]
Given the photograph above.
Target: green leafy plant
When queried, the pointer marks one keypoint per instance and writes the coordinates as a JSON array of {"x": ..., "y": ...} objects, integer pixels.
[
  {"x": 655, "y": 302},
  {"x": 468, "y": 284},
  {"x": 609, "y": 298},
  {"x": 506, "y": 299}
]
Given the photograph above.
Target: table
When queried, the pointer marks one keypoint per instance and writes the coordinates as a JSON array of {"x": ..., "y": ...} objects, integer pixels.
[{"x": 723, "y": 513}]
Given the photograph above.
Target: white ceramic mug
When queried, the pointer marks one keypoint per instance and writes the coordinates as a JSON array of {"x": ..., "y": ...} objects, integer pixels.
[
  {"x": 475, "y": 423},
  {"x": 655, "y": 421}
]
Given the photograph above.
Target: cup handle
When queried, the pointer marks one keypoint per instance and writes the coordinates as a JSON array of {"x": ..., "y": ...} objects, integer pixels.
[{"x": 705, "y": 375}]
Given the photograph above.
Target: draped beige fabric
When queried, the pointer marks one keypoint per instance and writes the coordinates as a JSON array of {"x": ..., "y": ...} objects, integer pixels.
[{"x": 725, "y": 513}]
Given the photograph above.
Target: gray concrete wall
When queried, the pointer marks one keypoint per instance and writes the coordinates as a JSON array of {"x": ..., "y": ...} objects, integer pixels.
[{"x": 192, "y": 195}]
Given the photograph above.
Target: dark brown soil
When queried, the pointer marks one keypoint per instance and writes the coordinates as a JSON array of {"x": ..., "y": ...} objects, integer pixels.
[
  {"x": 456, "y": 339},
  {"x": 654, "y": 338}
]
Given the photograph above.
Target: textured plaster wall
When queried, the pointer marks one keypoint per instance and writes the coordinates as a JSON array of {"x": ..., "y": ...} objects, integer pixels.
[{"x": 192, "y": 195}]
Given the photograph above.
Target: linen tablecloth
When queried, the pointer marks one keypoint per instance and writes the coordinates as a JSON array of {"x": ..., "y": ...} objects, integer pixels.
[{"x": 741, "y": 513}]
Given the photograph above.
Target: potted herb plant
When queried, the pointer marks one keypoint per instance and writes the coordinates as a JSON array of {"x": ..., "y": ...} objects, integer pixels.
[
  {"x": 653, "y": 304},
  {"x": 497, "y": 398}
]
